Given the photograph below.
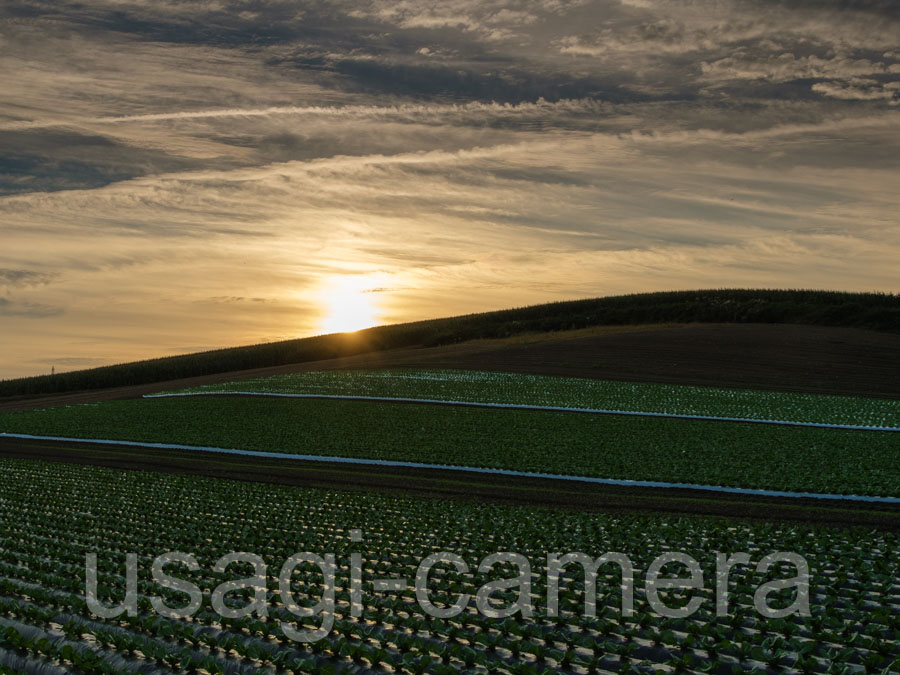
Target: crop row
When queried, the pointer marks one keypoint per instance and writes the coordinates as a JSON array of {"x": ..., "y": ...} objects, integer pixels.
[
  {"x": 570, "y": 392},
  {"x": 729, "y": 454},
  {"x": 53, "y": 514}
]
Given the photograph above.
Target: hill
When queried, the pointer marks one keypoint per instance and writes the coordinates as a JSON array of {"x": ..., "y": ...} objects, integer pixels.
[{"x": 872, "y": 311}]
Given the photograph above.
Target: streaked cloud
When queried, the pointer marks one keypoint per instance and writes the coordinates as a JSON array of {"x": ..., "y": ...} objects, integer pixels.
[
  {"x": 30, "y": 310},
  {"x": 11, "y": 277}
]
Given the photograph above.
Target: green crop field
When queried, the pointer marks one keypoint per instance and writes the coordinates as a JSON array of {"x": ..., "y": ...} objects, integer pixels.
[
  {"x": 607, "y": 446},
  {"x": 53, "y": 514},
  {"x": 569, "y": 392}
]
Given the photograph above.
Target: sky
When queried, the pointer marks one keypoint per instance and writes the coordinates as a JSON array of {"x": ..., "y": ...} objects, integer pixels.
[{"x": 185, "y": 175}]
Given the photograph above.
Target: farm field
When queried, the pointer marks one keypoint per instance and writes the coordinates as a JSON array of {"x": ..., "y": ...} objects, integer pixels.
[
  {"x": 55, "y": 513},
  {"x": 569, "y": 392},
  {"x": 607, "y": 446}
]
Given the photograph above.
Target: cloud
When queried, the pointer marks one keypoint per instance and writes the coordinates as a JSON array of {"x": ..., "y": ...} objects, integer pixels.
[
  {"x": 859, "y": 89},
  {"x": 785, "y": 67},
  {"x": 52, "y": 159},
  {"x": 179, "y": 23},
  {"x": 233, "y": 298},
  {"x": 31, "y": 310},
  {"x": 473, "y": 112},
  {"x": 25, "y": 278}
]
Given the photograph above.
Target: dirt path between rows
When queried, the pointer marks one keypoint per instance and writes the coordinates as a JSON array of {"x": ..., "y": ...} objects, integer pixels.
[{"x": 812, "y": 359}]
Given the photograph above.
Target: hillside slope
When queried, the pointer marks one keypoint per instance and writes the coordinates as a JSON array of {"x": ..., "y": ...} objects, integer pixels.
[
  {"x": 877, "y": 312},
  {"x": 787, "y": 357}
]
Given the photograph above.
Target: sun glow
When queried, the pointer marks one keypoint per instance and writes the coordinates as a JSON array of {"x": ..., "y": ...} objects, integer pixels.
[{"x": 350, "y": 305}]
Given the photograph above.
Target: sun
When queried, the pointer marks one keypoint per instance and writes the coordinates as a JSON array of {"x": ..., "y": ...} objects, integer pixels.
[{"x": 350, "y": 306}]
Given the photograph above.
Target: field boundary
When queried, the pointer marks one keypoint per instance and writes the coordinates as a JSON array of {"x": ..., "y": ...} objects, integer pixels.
[
  {"x": 469, "y": 469},
  {"x": 526, "y": 406}
]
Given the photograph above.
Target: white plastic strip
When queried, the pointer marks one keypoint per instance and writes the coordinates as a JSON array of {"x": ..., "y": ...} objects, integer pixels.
[
  {"x": 454, "y": 467},
  {"x": 525, "y": 406}
]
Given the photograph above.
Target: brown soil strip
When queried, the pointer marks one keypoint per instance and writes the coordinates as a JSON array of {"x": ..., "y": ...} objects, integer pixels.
[{"x": 460, "y": 485}]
